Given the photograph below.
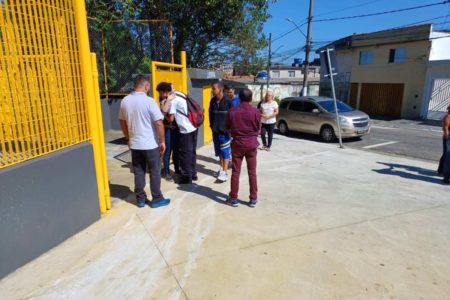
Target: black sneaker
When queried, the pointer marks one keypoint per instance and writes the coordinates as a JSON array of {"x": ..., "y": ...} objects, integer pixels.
[
  {"x": 446, "y": 180},
  {"x": 141, "y": 203},
  {"x": 232, "y": 202},
  {"x": 252, "y": 202},
  {"x": 185, "y": 181},
  {"x": 168, "y": 177},
  {"x": 194, "y": 178}
]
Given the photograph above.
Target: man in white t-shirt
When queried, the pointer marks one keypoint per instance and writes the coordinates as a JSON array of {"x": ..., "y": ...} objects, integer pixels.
[
  {"x": 142, "y": 124},
  {"x": 187, "y": 142},
  {"x": 269, "y": 111}
]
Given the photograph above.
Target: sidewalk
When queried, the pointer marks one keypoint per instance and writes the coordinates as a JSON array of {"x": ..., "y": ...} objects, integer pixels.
[
  {"x": 330, "y": 224},
  {"x": 427, "y": 125}
]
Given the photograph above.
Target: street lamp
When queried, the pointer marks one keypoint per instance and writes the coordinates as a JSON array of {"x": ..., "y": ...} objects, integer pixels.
[{"x": 295, "y": 24}]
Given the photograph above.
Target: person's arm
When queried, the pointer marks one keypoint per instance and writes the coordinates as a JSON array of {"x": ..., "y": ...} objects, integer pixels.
[
  {"x": 445, "y": 126},
  {"x": 165, "y": 108},
  {"x": 172, "y": 111},
  {"x": 211, "y": 115},
  {"x": 160, "y": 130},
  {"x": 228, "y": 123},
  {"x": 124, "y": 127}
]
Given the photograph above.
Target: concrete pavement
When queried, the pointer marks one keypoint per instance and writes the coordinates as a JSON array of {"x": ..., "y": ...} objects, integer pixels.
[{"x": 330, "y": 224}]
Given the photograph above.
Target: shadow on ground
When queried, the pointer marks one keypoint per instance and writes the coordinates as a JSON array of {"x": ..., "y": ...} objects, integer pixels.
[
  {"x": 409, "y": 172},
  {"x": 122, "y": 192},
  {"x": 208, "y": 192}
]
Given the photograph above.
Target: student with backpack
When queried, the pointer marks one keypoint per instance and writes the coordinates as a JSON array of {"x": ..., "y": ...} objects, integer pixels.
[{"x": 188, "y": 116}]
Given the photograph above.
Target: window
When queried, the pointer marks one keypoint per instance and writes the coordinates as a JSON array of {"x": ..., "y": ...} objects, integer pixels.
[
  {"x": 365, "y": 57},
  {"x": 284, "y": 104},
  {"x": 309, "y": 107},
  {"x": 296, "y": 106},
  {"x": 291, "y": 74},
  {"x": 397, "y": 56},
  {"x": 275, "y": 74}
]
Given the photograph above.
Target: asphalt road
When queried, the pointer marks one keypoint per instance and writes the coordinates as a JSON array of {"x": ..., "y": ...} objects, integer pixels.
[
  {"x": 419, "y": 143},
  {"x": 402, "y": 138}
]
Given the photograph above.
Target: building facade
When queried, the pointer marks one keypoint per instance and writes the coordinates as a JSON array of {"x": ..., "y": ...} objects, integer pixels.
[{"x": 383, "y": 73}]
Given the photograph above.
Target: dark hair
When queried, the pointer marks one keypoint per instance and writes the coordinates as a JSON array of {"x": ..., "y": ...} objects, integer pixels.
[
  {"x": 218, "y": 83},
  {"x": 164, "y": 87},
  {"x": 245, "y": 95},
  {"x": 140, "y": 80},
  {"x": 228, "y": 87}
]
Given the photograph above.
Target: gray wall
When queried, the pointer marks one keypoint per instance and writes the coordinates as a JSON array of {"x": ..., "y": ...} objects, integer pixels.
[
  {"x": 45, "y": 201},
  {"x": 110, "y": 111}
]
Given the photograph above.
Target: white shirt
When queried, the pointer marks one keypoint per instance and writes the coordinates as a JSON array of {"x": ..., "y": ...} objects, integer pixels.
[
  {"x": 269, "y": 109},
  {"x": 141, "y": 112},
  {"x": 178, "y": 105}
]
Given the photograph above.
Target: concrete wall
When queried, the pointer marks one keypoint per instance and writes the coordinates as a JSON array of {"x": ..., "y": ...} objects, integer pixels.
[
  {"x": 45, "y": 201},
  {"x": 281, "y": 90},
  {"x": 435, "y": 70},
  {"x": 411, "y": 73}
]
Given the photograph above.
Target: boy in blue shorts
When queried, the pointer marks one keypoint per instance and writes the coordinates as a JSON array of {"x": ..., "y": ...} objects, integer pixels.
[{"x": 218, "y": 113}]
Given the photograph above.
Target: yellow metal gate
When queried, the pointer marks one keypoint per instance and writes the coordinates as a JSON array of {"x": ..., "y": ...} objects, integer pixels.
[{"x": 48, "y": 98}]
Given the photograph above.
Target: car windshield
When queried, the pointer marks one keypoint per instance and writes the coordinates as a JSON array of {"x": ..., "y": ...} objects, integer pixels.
[{"x": 328, "y": 105}]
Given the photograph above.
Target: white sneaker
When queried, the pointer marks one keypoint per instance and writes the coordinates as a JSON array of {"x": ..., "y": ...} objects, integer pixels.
[
  {"x": 217, "y": 174},
  {"x": 223, "y": 176}
]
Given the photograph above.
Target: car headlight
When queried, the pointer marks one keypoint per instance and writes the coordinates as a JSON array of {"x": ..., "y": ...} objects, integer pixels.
[{"x": 344, "y": 121}]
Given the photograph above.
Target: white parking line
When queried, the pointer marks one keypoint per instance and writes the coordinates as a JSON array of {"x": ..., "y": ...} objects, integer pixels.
[{"x": 379, "y": 145}]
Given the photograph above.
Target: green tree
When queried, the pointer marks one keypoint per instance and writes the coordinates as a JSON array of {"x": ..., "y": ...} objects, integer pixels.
[{"x": 211, "y": 31}]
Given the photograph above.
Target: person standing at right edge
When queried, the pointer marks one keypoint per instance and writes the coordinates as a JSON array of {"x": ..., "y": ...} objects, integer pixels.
[
  {"x": 244, "y": 124},
  {"x": 269, "y": 111},
  {"x": 444, "y": 163},
  {"x": 218, "y": 112}
]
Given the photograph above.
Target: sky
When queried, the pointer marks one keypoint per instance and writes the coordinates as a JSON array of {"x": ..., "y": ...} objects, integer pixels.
[{"x": 286, "y": 48}]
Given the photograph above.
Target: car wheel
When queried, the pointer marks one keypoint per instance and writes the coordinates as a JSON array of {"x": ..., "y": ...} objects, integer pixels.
[
  {"x": 327, "y": 134},
  {"x": 282, "y": 126}
]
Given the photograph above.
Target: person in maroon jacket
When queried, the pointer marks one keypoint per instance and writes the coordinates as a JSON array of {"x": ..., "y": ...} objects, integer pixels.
[{"x": 244, "y": 125}]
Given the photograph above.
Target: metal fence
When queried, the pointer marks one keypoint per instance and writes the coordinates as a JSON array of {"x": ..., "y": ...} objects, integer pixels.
[
  {"x": 42, "y": 105},
  {"x": 125, "y": 48}
]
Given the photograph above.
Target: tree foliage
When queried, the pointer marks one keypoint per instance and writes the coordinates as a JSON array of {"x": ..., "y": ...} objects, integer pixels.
[{"x": 212, "y": 32}]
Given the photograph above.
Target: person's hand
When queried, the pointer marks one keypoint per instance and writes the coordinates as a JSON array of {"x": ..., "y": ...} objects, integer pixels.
[
  {"x": 171, "y": 96},
  {"x": 162, "y": 148}
]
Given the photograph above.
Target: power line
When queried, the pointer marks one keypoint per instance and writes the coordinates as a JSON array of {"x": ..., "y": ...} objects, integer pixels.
[
  {"x": 288, "y": 32},
  {"x": 348, "y": 7},
  {"x": 383, "y": 12}
]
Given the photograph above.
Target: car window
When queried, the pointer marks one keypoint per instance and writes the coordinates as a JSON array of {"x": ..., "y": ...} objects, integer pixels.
[
  {"x": 342, "y": 107},
  {"x": 309, "y": 107},
  {"x": 284, "y": 104},
  {"x": 296, "y": 106}
]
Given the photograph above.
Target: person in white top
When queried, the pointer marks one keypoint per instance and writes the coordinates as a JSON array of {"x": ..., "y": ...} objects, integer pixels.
[
  {"x": 178, "y": 112},
  {"x": 269, "y": 112},
  {"x": 142, "y": 125}
]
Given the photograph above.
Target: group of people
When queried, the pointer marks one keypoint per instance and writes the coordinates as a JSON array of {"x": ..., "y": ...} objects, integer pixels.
[{"x": 165, "y": 132}]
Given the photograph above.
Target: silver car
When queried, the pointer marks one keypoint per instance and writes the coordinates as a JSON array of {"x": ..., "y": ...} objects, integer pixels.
[{"x": 317, "y": 115}]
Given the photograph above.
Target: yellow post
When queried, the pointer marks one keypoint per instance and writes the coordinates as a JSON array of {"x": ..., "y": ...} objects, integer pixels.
[
  {"x": 89, "y": 93},
  {"x": 207, "y": 132},
  {"x": 184, "y": 72},
  {"x": 101, "y": 135}
]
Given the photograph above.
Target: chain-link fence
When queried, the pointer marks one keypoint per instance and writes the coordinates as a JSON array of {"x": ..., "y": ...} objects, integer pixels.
[{"x": 126, "y": 48}]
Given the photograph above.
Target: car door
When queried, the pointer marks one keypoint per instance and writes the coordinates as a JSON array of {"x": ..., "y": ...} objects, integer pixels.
[
  {"x": 295, "y": 121},
  {"x": 311, "y": 117}
]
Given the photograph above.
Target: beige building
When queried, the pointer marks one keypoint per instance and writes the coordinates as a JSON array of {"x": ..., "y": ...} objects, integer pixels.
[{"x": 383, "y": 73}]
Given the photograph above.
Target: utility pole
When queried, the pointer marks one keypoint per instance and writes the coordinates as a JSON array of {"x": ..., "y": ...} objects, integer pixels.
[
  {"x": 269, "y": 60},
  {"x": 308, "y": 48}
]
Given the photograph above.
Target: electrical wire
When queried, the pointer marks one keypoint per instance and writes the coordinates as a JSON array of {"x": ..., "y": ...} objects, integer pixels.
[{"x": 383, "y": 12}]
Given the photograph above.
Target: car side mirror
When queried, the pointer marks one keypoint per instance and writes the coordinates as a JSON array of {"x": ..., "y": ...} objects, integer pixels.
[{"x": 316, "y": 111}]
